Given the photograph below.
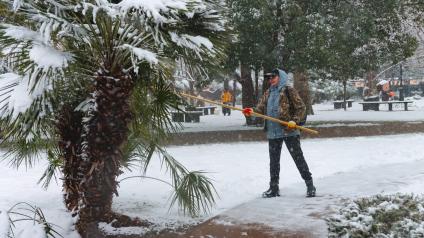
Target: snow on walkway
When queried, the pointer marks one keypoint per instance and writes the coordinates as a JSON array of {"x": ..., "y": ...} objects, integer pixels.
[
  {"x": 294, "y": 213},
  {"x": 342, "y": 167}
]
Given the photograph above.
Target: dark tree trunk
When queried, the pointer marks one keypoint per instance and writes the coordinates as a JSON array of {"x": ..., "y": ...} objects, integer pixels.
[
  {"x": 192, "y": 92},
  {"x": 234, "y": 92},
  {"x": 247, "y": 90},
  {"x": 226, "y": 84},
  {"x": 279, "y": 36},
  {"x": 106, "y": 130},
  {"x": 69, "y": 126},
  {"x": 256, "y": 86},
  {"x": 370, "y": 82},
  {"x": 302, "y": 86},
  {"x": 344, "y": 95},
  {"x": 265, "y": 84}
]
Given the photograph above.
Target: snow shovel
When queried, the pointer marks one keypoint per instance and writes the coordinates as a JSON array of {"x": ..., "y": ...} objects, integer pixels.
[{"x": 284, "y": 123}]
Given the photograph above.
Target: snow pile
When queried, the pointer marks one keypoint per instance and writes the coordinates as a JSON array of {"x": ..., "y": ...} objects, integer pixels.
[
  {"x": 380, "y": 216},
  {"x": 182, "y": 84},
  {"x": 24, "y": 220},
  {"x": 142, "y": 54},
  {"x": 110, "y": 230},
  {"x": 33, "y": 230},
  {"x": 18, "y": 93},
  {"x": 48, "y": 57},
  {"x": 196, "y": 43},
  {"x": 21, "y": 33},
  {"x": 153, "y": 8},
  {"x": 42, "y": 53},
  {"x": 4, "y": 224}
]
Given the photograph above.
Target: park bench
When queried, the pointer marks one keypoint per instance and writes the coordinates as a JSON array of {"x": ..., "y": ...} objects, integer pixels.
[
  {"x": 207, "y": 110},
  {"x": 376, "y": 105},
  {"x": 186, "y": 116},
  {"x": 339, "y": 104}
]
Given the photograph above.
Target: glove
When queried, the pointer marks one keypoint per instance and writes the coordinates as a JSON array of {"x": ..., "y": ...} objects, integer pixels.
[
  {"x": 248, "y": 111},
  {"x": 291, "y": 125}
]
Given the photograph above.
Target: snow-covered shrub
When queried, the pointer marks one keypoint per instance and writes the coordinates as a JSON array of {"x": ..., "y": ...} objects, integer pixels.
[{"x": 397, "y": 215}]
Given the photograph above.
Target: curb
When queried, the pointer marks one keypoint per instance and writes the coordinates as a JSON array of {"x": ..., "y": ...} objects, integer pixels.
[{"x": 382, "y": 128}]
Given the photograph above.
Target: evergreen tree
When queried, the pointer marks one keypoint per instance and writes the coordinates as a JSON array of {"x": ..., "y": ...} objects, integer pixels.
[
  {"x": 101, "y": 98},
  {"x": 362, "y": 41},
  {"x": 299, "y": 41},
  {"x": 249, "y": 50}
]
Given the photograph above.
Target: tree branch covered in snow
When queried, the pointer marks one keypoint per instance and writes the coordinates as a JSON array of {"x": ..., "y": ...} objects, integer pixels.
[{"x": 61, "y": 29}]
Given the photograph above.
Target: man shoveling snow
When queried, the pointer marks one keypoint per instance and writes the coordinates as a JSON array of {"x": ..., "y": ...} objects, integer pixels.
[{"x": 283, "y": 102}]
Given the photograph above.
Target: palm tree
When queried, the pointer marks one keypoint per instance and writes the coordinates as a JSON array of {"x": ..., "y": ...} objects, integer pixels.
[{"x": 91, "y": 87}]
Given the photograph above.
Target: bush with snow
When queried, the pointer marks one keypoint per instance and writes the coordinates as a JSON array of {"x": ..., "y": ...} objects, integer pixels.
[{"x": 397, "y": 215}]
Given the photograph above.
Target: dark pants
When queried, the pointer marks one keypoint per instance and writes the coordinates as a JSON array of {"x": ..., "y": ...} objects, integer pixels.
[
  {"x": 293, "y": 145},
  {"x": 226, "y": 110}
]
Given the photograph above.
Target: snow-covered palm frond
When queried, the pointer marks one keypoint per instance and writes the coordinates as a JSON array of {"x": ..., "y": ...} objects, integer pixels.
[
  {"x": 70, "y": 40},
  {"x": 64, "y": 48},
  {"x": 143, "y": 29},
  {"x": 37, "y": 64}
]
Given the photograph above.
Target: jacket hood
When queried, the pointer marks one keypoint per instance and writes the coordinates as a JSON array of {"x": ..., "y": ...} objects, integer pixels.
[{"x": 283, "y": 79}]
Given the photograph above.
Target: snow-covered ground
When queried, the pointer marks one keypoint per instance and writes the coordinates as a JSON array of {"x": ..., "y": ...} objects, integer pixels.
[
  {"x": 342, "y": 167},
  {"x": 324, "y": 113}
]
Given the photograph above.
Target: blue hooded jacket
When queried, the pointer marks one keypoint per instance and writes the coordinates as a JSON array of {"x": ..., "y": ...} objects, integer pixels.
[{"x": 276, "y": 130}]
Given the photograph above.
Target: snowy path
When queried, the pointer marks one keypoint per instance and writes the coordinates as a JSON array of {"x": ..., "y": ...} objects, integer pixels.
[{"x": 342, "y": 167}]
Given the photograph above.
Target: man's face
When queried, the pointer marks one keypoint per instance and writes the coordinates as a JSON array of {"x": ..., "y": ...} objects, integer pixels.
[{"x": 274, "y": 80}]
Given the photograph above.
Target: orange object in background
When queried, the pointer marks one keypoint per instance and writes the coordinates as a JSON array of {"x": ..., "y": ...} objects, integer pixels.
[
  {"x": 226, "y": 97},
  {"x": 392, "y": 94}
]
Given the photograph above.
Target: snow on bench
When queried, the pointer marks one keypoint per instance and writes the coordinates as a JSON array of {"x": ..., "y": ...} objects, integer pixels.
[{"x": 376, "y": 105}]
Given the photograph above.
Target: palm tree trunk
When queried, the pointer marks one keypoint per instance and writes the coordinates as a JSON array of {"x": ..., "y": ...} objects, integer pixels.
[
  {"x": 302, "y": 85},
  {"x": 69, "y": 126},
  {"x": 106, "y": 130}
]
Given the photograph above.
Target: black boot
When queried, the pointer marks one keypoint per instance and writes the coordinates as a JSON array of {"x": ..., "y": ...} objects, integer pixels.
[
  {"x": 273, "y": 191},
  {"x": 310, "y": 189}
]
